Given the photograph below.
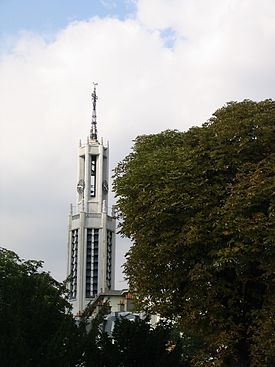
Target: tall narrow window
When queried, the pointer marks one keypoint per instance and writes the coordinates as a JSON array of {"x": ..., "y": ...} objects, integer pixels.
[
  {"x": 92, "y": 263},
  {"x": 109, "y": 259},
  {"x": 93, "y": 176},
  {"x": 74, "y": 249}
]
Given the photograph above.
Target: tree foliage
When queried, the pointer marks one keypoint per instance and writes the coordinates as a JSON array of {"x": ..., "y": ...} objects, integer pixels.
[
  {"x": 199, "y": 209},
  {"x": 133, "y": 344},
  {"x": 35, "y": 327},
  {"x": 138, "y": 344}
]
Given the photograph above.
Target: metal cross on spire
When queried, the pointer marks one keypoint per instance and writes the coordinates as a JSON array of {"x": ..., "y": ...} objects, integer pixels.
[{"x": 93, "y": 131}]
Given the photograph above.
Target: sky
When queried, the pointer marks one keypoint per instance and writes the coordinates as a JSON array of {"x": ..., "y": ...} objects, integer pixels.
[{"x": 159, "y": 65}]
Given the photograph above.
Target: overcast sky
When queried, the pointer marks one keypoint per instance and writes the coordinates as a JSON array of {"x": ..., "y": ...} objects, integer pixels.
[{"x": 160, "y": 65}]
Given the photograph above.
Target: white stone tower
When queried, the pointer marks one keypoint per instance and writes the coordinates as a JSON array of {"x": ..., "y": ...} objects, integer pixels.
[{"x": 91, "y": 237}]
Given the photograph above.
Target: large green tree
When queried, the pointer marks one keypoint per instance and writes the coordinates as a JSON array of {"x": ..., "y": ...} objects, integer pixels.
[
  {"x": 199, "y": 209},
  {"x": 36, "y": 328}
]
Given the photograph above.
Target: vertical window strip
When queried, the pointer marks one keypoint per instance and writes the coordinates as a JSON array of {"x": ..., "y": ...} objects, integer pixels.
[
  {"x": 74, "y": 250},
  {"x": 109, "y": 259},
  {"x": 92, "y": 262}
]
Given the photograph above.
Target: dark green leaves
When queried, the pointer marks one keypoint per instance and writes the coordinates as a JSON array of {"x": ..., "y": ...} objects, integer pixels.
[
  {"x": 199, "y": 208},
  {"x": 35, "y": 327}
]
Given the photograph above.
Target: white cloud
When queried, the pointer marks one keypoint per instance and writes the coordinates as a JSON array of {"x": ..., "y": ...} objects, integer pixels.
[{"x": 222, "y": 51}]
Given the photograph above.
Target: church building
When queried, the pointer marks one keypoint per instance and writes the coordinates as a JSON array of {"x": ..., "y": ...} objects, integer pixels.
[{"x": 91, "y": 230}]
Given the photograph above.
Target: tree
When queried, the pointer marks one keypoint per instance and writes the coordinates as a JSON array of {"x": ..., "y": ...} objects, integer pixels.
[
  {"x": 97, "y": 348},
  {"x": 199, "y": 209},
  {"x": 133, "y": 343},
  {"x": 138, "y": 344},
  {"x": 36, "y": 328}
]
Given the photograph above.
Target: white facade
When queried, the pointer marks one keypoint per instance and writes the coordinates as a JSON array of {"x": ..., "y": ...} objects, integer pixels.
[{"x": 91, "y": 232}]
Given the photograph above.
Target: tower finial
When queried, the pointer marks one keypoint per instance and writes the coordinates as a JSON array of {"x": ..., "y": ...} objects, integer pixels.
[{"x": 93, "y": 131}]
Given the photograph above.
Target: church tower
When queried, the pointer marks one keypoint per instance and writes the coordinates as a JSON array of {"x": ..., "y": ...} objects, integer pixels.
[{"x": 91, "y": 237}]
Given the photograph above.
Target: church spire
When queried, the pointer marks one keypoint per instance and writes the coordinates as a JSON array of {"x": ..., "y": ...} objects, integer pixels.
[{"x": 93, "y": 131}]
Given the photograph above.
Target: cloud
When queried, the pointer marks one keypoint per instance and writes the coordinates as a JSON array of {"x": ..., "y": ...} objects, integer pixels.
[{"x": 169, "y": 66}]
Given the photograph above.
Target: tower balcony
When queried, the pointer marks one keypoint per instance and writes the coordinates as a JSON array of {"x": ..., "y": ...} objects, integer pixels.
[{"x": 75, "y": 211}]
